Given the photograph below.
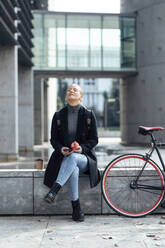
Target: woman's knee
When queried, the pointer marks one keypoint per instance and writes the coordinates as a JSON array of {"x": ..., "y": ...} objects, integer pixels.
[
  {"x": 73, "y": 157},
  {"x": 75, "y": 172}
]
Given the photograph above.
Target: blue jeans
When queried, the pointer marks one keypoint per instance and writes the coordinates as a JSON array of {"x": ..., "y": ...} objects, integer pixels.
[{"x": 69, "y": 171}]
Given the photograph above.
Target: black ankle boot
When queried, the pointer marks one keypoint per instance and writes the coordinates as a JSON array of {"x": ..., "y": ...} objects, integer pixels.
[
  {"x": 52, "y": 193},
  {"x": 77, "y": 214}
]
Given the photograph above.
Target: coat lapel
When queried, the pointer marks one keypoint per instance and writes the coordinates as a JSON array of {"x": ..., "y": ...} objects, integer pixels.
[{"x": 65, "y": 124}]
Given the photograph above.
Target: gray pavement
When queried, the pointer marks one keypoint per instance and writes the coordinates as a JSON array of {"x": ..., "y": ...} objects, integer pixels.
[
  {"x": 109, "y": 148},
  {"x": 95, "y": 232}
]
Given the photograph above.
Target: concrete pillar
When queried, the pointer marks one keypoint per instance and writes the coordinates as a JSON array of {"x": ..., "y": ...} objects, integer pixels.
[
  {"x": 52, "y": 101},
  {"x": 26, "y": 115},
  {"x": 8, "y": 103},
  {"x": 38, "y": 111},
  {"x": 142, "y": 97},
  {"x": 46, "y": 111}
]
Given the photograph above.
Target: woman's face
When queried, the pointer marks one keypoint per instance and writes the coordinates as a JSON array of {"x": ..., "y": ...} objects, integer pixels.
[{"x": 74, "y": 93}]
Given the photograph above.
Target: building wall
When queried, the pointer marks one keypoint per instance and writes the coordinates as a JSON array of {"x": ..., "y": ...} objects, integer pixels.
[
  {"x": 16, "y": 77},
  {"x": 142, "y": 97}
]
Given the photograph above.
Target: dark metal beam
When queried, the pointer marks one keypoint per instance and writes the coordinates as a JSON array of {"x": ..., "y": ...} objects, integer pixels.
[
  {"x": 85, "y": 74},
  {"x": 6, "y": 36},
  {"x": 7, "y": 18},
  {"x": 133, "y": 14}
]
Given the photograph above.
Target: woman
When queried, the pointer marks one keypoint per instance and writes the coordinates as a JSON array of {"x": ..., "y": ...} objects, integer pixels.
[{"x": 72, "y": 123}]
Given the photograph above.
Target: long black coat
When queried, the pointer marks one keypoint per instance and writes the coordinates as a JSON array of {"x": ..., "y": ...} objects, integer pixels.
[{"x": 85, "y": 136}]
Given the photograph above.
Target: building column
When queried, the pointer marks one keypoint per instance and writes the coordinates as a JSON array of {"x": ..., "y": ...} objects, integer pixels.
[
  {"x": 8, "y": 103},
  {"x": 52, "y": 101},
  {"x": 38, "y": 111},
  {"x": 46, "y": 111},
  {"x": 142, "y": 97},
  {"x": 26, "y": 116}
]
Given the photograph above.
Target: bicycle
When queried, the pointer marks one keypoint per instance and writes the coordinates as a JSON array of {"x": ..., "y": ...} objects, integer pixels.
[{"x": 133, "y": 184}]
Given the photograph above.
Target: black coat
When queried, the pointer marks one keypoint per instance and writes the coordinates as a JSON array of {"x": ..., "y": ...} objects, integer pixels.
[{"x": 85, "y": 136}]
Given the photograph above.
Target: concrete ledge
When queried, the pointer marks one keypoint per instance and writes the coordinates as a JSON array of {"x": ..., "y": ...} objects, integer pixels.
[
  {"x": 90, "y": 198},
  {"x": 16, "y": 187},
  {"x": 22, "y": 193}
]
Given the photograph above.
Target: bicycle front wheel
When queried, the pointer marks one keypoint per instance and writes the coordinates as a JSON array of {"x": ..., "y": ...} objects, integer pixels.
[{"x": 119, "y": 190}]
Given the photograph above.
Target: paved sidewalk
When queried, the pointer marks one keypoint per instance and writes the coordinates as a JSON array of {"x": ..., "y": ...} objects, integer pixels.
[
  {"x": 95, "y": 232},
  {"x": 106, "y": 150},
  {"x": 110, "y": 148}
]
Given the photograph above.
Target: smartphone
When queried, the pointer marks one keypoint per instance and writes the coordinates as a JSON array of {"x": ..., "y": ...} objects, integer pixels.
[{"x": 67, "y": 150}]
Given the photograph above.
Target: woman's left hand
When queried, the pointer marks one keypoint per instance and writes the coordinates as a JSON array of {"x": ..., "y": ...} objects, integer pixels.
[{"x": 78, "y": 150}]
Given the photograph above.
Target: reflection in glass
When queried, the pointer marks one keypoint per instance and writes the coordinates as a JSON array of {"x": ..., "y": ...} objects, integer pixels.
[
  {"x": 61, "y": 47},
  {"x": 127, "y": 43},
  {"x": 111, "y": 48},
  {"x": 77, "y": 48},
  {"x": 95, "y": 48},
  {"x": 52, "y": 55}
]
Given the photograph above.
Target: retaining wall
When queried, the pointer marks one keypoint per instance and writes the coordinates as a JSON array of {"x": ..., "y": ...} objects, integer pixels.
[{"x": 22, "y": 193}]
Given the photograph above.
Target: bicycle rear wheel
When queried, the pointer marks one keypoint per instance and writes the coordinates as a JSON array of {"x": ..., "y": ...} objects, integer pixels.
[{"x": 117, "y": 181}]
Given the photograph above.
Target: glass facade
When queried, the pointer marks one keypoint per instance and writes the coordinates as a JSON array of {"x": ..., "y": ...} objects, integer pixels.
[{"x": 78, "y": 41}]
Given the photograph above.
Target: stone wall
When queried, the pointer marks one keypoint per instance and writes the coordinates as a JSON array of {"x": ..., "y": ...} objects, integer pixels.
[{"x": 22, "y": 193}]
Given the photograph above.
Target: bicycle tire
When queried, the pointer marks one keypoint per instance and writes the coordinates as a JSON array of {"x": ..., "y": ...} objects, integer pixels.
[{"x": 116, "y": 185}]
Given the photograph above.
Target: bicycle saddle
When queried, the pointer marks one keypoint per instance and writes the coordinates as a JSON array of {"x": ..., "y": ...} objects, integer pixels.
[{"x": 146, "y": 130}]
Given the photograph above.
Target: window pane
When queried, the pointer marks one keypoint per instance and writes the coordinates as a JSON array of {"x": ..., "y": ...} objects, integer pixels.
[
  {"x": 95, "y": 48},
  {"x": 77, "y": 48},
  {"x": 111, "y": 49},
  {"x": 128, "y": 43},
  {"x": 61, "y": 47}
]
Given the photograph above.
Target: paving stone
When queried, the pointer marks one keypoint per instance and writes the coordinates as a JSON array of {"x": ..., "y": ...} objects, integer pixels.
[{"x": 95, "y": 232}]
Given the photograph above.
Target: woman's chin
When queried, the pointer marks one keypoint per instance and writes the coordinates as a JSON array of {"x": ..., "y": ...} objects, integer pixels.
[{"x": 72, "y": 99}]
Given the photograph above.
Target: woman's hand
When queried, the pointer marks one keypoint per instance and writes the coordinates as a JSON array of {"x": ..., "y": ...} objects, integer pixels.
[{"x": 66, "y": 151}]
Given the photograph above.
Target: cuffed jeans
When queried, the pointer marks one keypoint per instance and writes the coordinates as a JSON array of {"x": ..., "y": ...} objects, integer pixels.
[{"x": 69, "y": 171}]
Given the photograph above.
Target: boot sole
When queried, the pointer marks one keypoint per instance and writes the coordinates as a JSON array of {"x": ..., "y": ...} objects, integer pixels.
[
  {"x": 48, "y": 200},
  {"x": 79, "y": 220}
]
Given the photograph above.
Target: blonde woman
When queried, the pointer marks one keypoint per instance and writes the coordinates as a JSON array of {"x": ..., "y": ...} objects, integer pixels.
[{"x": 73, "y": 137}]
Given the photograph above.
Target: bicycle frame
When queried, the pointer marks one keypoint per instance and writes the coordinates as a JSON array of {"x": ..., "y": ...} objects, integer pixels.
[{"x": 148, "y": 155}]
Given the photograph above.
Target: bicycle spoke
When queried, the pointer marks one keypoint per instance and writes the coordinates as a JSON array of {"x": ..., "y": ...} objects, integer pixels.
[{"x": 151, "y": 192}]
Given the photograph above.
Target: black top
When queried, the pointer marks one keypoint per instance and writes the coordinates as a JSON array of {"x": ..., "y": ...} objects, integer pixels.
[{"x": 72, "y": 121}]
